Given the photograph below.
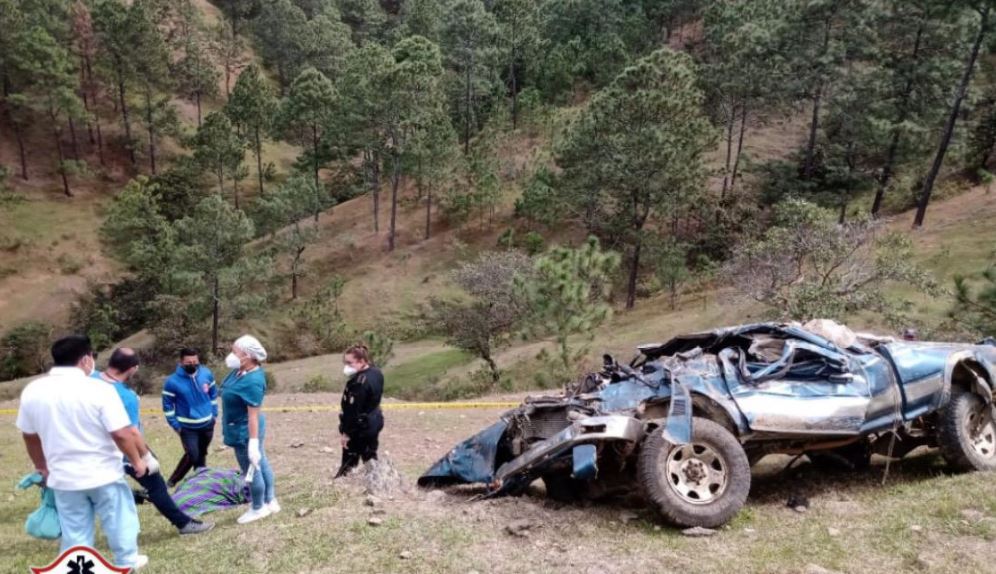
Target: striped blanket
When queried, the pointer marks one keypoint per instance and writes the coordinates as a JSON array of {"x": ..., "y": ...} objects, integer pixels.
[{"x": 211, "y": 489}]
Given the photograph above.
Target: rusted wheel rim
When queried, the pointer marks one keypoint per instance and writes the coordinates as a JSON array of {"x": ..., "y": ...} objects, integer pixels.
[
  {"x": 982, "y": 433},
  {"x": 696, "y": 473}
]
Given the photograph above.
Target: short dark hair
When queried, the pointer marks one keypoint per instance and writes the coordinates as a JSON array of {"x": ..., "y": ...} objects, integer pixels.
[
  {"x": 122, "y": 360},
  {"x": 70, "y": 350},
  {"x": 189, "y": 352}
]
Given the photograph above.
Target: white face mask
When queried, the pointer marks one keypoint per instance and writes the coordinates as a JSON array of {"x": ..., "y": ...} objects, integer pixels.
[
  {"x": 93, "y": 367},
  {"x": 232, "y": 361},
  {"x": 349, "y": 370}
]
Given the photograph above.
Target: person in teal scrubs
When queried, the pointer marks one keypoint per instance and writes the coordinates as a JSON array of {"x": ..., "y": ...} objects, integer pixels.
[{"x": 244, "y": 425}]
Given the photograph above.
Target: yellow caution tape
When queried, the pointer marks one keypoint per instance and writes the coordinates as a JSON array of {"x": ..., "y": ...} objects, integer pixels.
[{"x": 331, "y": 408}]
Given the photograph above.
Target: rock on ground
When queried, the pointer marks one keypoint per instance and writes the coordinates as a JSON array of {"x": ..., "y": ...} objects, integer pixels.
[{"x": 381, "y": 479}]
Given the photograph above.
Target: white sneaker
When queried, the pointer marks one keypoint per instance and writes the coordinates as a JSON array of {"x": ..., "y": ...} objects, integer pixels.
[
  {"x": 141, "y": 561},
  {"x": 274, "y": 506},
  {"x": 254, "y": 515}
]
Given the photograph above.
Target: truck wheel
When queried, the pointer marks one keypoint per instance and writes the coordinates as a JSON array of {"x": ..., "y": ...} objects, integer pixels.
[
  {"x": 703, "y": 483},
  {"x": 967, "y": 433}
]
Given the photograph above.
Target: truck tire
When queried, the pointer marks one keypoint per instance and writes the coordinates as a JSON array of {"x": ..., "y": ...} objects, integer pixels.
[
  {"x": 966, "y": 432},
  {"x": 703, "y": 483}
]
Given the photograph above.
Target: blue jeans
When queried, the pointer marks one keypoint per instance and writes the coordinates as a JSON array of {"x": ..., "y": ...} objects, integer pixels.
[
  {"x": 114, "y": 504},
  {"x": 261, "y": 489}
]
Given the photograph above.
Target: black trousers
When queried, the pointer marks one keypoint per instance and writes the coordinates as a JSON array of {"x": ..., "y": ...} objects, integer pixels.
[
  {"x": 159, "y": 496},
  {"x": 195, "y": 451},
  {"x": 360, "y": 447}
]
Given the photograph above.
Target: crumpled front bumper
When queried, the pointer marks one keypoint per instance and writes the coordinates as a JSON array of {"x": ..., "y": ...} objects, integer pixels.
[{"x": 589, "y": 430}]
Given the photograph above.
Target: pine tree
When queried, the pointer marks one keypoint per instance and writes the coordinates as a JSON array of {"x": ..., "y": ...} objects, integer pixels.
[
  {"x": 197, "y": 77},
  {"x": 519, "y": 31},
  {"x": 468, "y": 42},
  {"x": 218, "y": 148},
  {"x": 567, "y": 295},
  {"x": 983, "y": 10},
  {"x": 637, "y": 151},
  {"x": 414, "y": 87},
  {"x": 117, "y": 42},
  {"x": 55, "y": 88},
  {"x": 252, "y": 108},
  {"x": 304, "y": 115}
]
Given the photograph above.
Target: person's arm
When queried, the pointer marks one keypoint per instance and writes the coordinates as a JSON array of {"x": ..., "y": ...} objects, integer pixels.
[
  {"x": 253, "y": 423},
  {"x": 255, "y": 455},
  {"x": 33, "y": 444},
  {"x": 127, "y": 440},
  {"x": 169, "y": 405},
  {"x": 213, "y": 394},
  {"x": 375, "y": 391}
]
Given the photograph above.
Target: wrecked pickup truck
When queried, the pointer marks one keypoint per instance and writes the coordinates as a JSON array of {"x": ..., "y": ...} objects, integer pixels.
[{"x": 684, "y": 421}]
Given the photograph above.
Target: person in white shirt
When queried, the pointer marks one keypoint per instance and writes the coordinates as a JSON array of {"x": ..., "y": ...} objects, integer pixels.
[{"x": 75, "y": 429}]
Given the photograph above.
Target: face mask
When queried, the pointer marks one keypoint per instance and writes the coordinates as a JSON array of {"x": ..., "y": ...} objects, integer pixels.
[
  {"x": 232, "y": 361},
  {"x": 349, "y": 370},
  {"x": 93, "y": 367},
  {"x": 190, "y": 369}
]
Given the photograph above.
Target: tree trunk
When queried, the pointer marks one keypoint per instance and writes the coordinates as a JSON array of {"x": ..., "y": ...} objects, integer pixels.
[
  {"x": 197, "y": 97},
  {"x": 100, "y": 140},
  {"x": 17, "y": 129},
  {"x": 493, "y": 366},
  {"x": 57, "y": 137},
  {"x": 215, "y": 312},
  {"x": 942, "y": 148},
  {"x": 395, "y": 181},
  {"x": 124, "y": 117},
  {"x": 152, "y": 130},
  {"x": 296, "y": 267},
  {"x": 466, "y": 119},
  {"x": 729, "y": 153},
  {"x": 807, "y": 166},
  {"x": 259, "y": 159},
  {"x": 235, "y": 188},
  {"x": 221, "y": 183},
  {"x": 634, "y": 269},
  {"x": 73, "y": 138},
  {"x": 20, "y": 148},
  {"x": 84, "y": 95},
  {"x": 428, "y": 212},
  {"x": 814, "y": 124},
  {"x": 740, "y": 146},
  {"x": 890, "y": 159},
  {"x": 314, "y": 160},
  {"x": 515, "y": 93},
  {"x": 96, "y": 112},
  {"x": 373, "y": 164}
]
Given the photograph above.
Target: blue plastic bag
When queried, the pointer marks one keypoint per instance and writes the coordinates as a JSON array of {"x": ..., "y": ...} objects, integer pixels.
[{"x": 44, "y": 522}]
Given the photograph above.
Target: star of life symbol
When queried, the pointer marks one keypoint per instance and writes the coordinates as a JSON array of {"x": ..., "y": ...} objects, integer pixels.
[{"x": 80, "y": 560}]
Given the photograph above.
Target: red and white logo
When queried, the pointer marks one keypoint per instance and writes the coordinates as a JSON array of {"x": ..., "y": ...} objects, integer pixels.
[{"x": 80, "y": 560}]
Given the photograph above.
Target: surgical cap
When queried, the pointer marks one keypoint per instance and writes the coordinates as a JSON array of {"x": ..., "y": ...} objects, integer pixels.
[{"x": 251, "y": 346}]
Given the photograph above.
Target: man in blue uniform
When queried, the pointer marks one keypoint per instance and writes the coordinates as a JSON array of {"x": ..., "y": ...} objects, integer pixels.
[
  {"x": 122, "y": 365},
  {"x": 190, "y": 403}
]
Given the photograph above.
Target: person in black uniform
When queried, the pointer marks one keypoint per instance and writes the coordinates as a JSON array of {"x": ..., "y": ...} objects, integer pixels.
[{"x": 360, "y": 417}]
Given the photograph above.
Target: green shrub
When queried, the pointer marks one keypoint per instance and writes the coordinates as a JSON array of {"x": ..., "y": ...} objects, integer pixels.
[
  {"x": 24, "y": 350},
  {"x": 271, "y": 382},
  {"x": 533, "y": 243},
  {"x": 318, "y": 384}
]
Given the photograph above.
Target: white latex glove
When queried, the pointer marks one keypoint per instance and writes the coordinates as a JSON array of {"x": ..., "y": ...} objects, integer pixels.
[
  {"x": 150, "y": 463},
  {"x": 254, "y": 455}
]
